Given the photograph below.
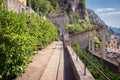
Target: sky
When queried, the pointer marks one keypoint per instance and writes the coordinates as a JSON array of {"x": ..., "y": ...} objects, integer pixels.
[{"x": 107, "y": 10}]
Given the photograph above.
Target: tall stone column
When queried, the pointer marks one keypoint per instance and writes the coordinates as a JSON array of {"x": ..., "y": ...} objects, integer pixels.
[
  {"x": 103, "y": 43},
  {"x": 119, "y": 48},
  {"x": 115, "y": 43},
  {"x": 89, "y": 41},
  {"x": 93, "y": 44}
]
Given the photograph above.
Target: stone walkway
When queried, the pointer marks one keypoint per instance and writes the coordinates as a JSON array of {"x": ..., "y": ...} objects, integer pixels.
[
  {"x": 48, "y": 64},
  {"x": 54, "y": 69}
]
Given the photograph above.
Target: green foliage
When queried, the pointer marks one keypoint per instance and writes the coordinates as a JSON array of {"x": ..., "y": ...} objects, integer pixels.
[
  {"x": 97, "y": 76},
  {"x": 78, "y": 26},
  {"x": 97, "y": 43},
  {"x": 76, "y": 47},
  {"x": 111, "y": 75},
  {"x": 54, "y": 2},
  {"x": 44, "y": 6},
  {"x": 18, "y": 41},
  {"x": 1, "y": 1},
  {"x": 74, "y": 17},
  {"x": 84, "y": 2}
]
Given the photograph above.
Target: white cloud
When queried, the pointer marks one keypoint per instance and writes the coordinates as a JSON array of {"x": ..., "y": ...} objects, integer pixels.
[
  {"x": 111, "y": 13},
  {"x": 105, "y": 9}
]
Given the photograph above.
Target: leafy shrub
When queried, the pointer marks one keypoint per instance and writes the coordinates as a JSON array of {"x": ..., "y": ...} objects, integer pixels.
[
  {"x": 1, "y": 2},
  {"x": 76, "y": 47},
  {"x": 44, "y": 6},
  {"x": 97, "y": 43},
  {"x": 111, "y": 75},
  {"x": 18, "y": 40},
  {"x": 77, "y": 25}
]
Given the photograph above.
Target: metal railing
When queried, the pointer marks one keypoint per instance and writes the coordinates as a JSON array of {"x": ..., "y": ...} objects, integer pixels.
[{"x": 94, "y": 66}]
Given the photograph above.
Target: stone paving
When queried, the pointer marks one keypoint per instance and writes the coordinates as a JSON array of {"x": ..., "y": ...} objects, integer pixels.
[
  {"x": 49, "y": 64},
  {"x": 52, "y": 63},
  {"x": 36, "y": 68},
  {"x": 55, "y": 67}
]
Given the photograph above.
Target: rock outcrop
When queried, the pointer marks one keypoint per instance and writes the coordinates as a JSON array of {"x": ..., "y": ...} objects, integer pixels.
[
  {"x": 67, "y": 9},
  {"x": 95, "y": 19},
  {"x": 77, "y": 6}
]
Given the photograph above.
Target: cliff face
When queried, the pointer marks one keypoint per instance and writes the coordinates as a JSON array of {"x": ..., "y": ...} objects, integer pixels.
[
  {"x": 66, "y": 11},
  {"x": 77, "y": 6},
  {"x": 95, "y": 19}
]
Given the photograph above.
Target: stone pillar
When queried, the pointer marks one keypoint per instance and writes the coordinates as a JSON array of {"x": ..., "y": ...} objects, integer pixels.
[
  {"x": 119, "y": 67},
  {"x": 110, "y": 43},
  {"x": 119, "y": 48},
  {"x": 103, "y": 56},
  {"x": 93, "y": 44},
  {"x": 115, "y": 43},
  {"x": 19, "y": 10},
  {"x": 29, "y": 6},
  {"x": 89, "y": 41}
]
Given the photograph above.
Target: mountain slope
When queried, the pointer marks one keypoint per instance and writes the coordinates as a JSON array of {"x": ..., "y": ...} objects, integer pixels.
[
  {"x": 114, "y": 30},
  {"x": 95, "y": 19}
]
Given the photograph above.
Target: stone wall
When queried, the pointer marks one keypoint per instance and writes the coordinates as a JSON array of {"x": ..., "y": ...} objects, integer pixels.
[
  {"x": 81, "y": 38},
  {"x": 16, "y": 5},
  {"x": 60, "y": 21},
  {"x": 78, "y": 66}
]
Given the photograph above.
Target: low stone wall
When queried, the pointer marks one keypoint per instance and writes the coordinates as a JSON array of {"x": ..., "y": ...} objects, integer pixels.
[
  {"x": 78, "y": 66},
  {"x": 82, "y": 39}
]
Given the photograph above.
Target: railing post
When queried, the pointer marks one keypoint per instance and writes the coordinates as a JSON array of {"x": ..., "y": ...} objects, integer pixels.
[
  {"x": 85, "y": 63},
  {"x": 76, "y": 56},
  {"x": 89, "y": 41},
  {"x": 119, "y": 67},
  {"x": 73, "y": 51}
]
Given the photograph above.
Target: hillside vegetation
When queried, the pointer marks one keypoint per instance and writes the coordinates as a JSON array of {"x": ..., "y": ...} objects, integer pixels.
[{"x": 97, "y": 76}]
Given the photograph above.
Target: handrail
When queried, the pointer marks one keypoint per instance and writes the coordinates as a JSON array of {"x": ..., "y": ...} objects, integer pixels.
[
  {"x": 95, "y": 67},
  {"x": 88, "y": 30}
]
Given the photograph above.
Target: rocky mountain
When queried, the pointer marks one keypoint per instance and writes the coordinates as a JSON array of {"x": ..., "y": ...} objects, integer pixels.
[
  {"x": 95, "y": 19},
  {"x": 75, "y": 6},
  {"x": 66, "y": 11},
  {"x": 70, "y": 12}
]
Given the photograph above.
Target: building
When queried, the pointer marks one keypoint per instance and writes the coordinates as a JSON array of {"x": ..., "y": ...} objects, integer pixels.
[
  {"x": 17, "y": 6},
  {"x": 23, "y": 1},
  {"x": 113, "y": 42}
]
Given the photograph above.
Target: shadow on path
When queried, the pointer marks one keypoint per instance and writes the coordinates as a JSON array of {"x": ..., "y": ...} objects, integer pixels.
[{"x": 68, "y": 74}]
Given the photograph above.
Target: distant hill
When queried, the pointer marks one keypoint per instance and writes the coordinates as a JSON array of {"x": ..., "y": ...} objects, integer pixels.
[{"x": 114, "y": 30}]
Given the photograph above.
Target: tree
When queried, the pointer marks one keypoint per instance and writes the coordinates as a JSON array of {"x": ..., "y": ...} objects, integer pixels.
[
  {"x": 54, "y": 2},
  {"x": 1, "y": 2},
  {"x": 44, "y": 6}
]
